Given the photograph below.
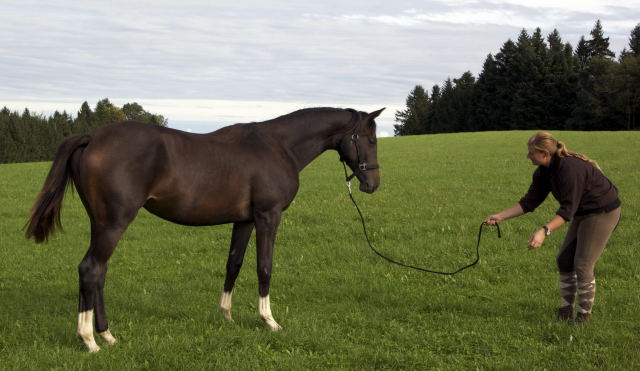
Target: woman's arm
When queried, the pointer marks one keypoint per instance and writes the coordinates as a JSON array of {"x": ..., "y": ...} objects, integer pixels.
[
  {"x": 512, "y": 212},
  {"x": 538, "y": 237}
]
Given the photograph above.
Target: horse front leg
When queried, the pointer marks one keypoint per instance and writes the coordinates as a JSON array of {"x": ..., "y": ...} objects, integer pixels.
[
  {"x": 239, "y": 241},
  {"x": 266, "y": 227}
]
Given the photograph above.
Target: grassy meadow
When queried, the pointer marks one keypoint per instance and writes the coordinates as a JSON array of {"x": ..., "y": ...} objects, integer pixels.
[{"x": 341, "y": 306}]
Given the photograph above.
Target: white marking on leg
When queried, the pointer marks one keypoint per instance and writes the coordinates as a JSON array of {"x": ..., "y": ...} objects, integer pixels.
[
  {"x": 264, "y": 305},
  {"x": 85, "y": 330},
  {"x": 225, "y": 305},
  {"x": 106, "y": 336}
]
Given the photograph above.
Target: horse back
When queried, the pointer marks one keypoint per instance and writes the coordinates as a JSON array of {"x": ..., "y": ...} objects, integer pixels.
[{"x": 192, "y": 179}]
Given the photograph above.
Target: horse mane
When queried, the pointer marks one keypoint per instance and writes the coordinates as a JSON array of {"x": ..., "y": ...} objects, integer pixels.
[
  {"x": 313, "y": 110},
  {"x": 296, "y": 115}
]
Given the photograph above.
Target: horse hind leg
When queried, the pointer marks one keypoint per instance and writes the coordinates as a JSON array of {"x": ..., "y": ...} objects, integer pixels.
[
  {"x": 239, "y": 241},
  {"x": 266, "y": 227},
  {"x": 92, "y": 271},
  {"x": 101, "y": 316}
]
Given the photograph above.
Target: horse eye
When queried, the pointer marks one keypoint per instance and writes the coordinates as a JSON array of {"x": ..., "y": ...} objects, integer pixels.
[{"x": 372, "y": 140}]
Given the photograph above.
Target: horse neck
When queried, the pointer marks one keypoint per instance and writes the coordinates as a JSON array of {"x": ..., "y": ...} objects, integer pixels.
[{"x": 306, "y": 138}]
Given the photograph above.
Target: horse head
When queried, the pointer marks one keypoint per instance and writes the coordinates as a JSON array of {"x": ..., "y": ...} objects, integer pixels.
[{"x": 359, "y": 148}]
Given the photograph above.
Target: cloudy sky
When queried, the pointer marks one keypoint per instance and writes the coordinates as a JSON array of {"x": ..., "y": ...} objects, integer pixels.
[{"x": 206, "y": 64}]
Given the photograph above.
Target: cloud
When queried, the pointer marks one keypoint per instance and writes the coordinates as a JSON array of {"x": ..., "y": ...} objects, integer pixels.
[{"x": 350, "y": 53}]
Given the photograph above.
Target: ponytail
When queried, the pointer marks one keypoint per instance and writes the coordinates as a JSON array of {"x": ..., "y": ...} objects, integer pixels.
[{"x": 545, "y": 142}]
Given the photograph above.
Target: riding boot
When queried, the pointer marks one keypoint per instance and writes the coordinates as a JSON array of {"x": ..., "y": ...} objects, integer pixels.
[
  {"x": 581, "y": 318},
  {"x": 568, "y": 288},
  {"x": 565, "y": 313},
  {"x": 586, "y": 295}
]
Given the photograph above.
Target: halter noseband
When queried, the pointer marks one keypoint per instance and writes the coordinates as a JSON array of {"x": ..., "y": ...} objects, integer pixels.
[{"x": 362, "y": 166}]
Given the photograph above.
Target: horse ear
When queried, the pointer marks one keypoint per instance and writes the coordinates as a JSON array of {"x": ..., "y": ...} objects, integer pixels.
[{"x": 375, "y": 114}]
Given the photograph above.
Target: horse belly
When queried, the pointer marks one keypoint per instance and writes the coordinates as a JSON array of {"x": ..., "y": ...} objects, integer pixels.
[{"x": 201, "y": 210}]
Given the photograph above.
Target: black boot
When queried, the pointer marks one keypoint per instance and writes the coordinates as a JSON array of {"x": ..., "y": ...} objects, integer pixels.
[
  {"x": 565, "y": 313},
  {"x": 581, "y": 318}
]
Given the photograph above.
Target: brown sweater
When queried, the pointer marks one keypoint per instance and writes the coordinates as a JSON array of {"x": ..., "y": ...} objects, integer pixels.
[{"x": 579, "y": 187}]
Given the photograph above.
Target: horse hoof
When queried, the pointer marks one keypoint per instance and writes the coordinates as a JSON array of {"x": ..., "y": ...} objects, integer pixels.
[
  {"x": 273, "y": 325},
  {"x": 227, "y": 316},
  {"x": 91, "y": 345},
  {"x": 107, "y": 337}
]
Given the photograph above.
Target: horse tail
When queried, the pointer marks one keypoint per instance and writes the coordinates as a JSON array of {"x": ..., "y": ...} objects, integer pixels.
[{"x": 45, "y": 214}]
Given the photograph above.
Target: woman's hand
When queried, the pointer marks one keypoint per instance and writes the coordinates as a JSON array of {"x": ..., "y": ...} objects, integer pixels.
[
  {"x": 537, "y": 239},
  {"x": 494, "y": 219}
]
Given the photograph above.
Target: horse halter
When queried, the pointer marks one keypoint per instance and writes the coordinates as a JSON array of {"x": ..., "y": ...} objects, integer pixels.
[{"x": 362, "y": 166}]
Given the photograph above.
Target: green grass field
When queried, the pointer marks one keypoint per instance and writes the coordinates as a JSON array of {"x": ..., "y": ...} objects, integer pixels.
[{"x": 341, "y": 306}]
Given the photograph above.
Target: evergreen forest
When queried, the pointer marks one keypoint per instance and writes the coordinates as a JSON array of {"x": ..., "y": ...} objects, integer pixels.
[
  {"x": 535, "y": 83},
  {"x": 26, "y": 137}
]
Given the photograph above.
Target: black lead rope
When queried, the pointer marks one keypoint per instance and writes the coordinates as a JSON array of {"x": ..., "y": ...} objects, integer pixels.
[{"x": 366, "y": 235}]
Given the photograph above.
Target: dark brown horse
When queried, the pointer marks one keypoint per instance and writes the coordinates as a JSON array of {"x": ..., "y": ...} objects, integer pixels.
[{"x": 246, "y": 174}]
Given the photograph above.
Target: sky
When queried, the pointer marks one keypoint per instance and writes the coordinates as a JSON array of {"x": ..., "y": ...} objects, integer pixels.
[{"x": 208, "y": 64}]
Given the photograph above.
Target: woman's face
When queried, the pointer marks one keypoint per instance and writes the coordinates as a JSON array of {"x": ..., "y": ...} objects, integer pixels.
[{"x": 538, "y": 157}]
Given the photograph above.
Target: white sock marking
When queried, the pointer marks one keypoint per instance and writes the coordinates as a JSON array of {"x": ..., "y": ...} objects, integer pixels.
[
  {"x": 85, "y": 330},
  {"x": 264, "y": 305},
  {"x": 225, "y": 305}
]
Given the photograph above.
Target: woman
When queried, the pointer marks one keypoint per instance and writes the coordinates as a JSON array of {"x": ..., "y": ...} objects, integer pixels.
[{"x": 588, "y": 199}]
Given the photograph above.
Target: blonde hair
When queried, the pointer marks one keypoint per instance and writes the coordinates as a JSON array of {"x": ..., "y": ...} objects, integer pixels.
[{"x": 545, "y": 142}]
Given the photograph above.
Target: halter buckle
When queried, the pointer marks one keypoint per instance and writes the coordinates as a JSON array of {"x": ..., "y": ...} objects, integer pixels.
[{"x": 363, "y": 166}]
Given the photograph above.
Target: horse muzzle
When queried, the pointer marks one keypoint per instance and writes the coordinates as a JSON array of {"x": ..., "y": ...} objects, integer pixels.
[{"x": 369, "y": 181}]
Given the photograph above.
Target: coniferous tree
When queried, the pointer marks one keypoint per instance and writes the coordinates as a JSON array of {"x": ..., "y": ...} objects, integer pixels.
[
  {"x": 583, "y": 53},
  {"x": 33, "y": 137},
  {"x": 527, "y": 74},
  {"x": 84, "y": 119},
  {"x": 506, "y": 85},
  {"x": 486, "y": 92},
  {"x": 622, "y": 85},
  {"x": 634, "y": 41},
  {"x": 414, "y": 119},
  {"x": 591, "y": 111},
  {"x": 599, "y": 45},
  {"x": 433, "y": 100},
  {"x": 461, "y": 102},
  {"x": 444, "y": 121},
  {"x": 560, "y": 82}
]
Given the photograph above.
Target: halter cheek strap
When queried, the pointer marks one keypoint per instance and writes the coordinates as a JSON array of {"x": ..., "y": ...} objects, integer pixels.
[{"x": 362, "y": 166}]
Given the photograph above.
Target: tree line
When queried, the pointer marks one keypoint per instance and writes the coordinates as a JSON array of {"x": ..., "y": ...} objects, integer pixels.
[
  {"x": 535, "y": 83},
  {"x": 26, "y": 137}
]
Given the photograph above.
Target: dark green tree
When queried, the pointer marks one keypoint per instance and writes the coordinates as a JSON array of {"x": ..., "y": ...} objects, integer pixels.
[
  {"x": 634, "y": 41},
  {"x": 434, "y": 100},
  {"x": 560, "y": 82},
  {"x": 591, "y": 111},
  {"x": 527, "y": 75},
  {"x": 33, "y": 137},
  {"x": 414, "y": 119},
  {"x": 622, "y": 87},
  {"x": 599, "y": 45},
  {"x": 134, "y": 111},
  {"x": 583, "y": 53},
  {"x": 462, "y": 102},
  {"x": 487, "y": 102},
  {"x": 444, "y": 117},
  {"x": 106, "y": 113},
  {"x": 506, "y": 85}
]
